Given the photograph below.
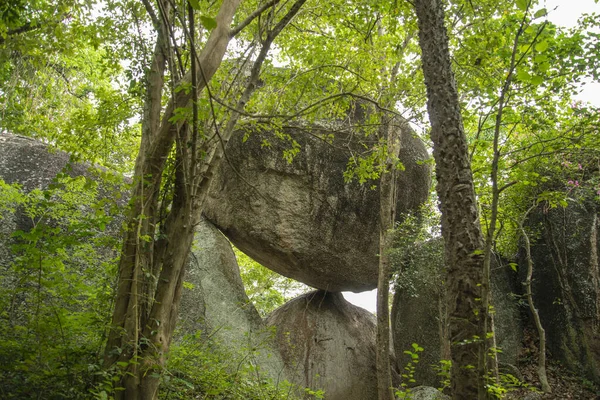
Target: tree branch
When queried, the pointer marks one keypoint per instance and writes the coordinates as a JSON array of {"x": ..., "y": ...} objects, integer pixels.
[{"x": 234, "y": 31}]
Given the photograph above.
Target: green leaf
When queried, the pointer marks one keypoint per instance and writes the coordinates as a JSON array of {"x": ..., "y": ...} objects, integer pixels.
[
  {"x": 195, "y": 4},
  {"x": 208, "y": 22},
  {"x": 522, "y": 4},
  {"x": 537, "y": 80},
  {"x": 541, "y": 46},
  {"x": 540, "y": 13},
  {"x": 523, "y": 75},
  {"x": 545, "y": 66},
  {"x": 513, "y": 266}
]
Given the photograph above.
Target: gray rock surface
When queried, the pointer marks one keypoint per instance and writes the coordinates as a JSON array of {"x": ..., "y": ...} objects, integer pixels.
[
  {"x": 301, "y": 219},
  {"x": 35, "y": 165},
  {"x": 566, "y": 283},
  {"x": 427, "y": 393},
  {"x": 329, "y": 344},
  {"x": 419, "y": 313},
  {"x": 215, "y": 302}
]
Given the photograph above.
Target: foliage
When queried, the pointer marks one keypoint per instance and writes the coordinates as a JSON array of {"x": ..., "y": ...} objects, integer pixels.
[
  {"x": 201, "y": 368},
  {"x": 56, "y": 288},
  {"x": 61, "y": 82},
  {"x": 417, "y": 252},
  {"x": 540, "y": 128},
  {"x": 408, "y": 376},
  {"x": 266, "y": 289},
  {"x": 75, "y": 72},
  {"x": 443, "y": 371}
]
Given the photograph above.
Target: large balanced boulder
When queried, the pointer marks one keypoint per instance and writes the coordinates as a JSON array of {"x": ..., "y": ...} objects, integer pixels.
[
  {"x": 566, "y": 283},
  {"x": 300, "y": 217},
  {"x": 328, "y": 344},
  {"x": 419, "y": 313}
]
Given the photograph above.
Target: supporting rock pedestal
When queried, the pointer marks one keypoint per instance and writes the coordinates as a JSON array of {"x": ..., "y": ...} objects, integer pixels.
[
  {"x": 215, "y": 303},
  {"x": 328, "y": 344}
]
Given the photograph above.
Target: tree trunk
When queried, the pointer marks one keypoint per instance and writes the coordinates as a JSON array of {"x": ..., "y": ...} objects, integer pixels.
[
  {"x": 460, "y": 221},
  {"x": 541, "y": 371},
  {"x": 141, "y": 326},
  {"x": 151, "y": 271},
  {"x": 387, "y": 217}
]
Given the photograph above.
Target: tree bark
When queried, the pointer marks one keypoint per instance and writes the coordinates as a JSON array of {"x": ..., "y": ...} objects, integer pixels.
[
  {"x": 141, "y": 326},
  {"x": 387, "y": 217},
  {"x": 460, "y": 221},
  {"x": 541, "y": 371},
  {"x": 151, "y": 271}
]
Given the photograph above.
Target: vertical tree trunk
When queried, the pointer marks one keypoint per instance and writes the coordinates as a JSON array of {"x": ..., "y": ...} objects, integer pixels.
[
  {"x": 387, "y": 217},
  {"x": 541, "y": 371},
  {"x": 144, "y": 320},
  {"x": 141, "y": 326},
  {"x": 460, "y": 222}
]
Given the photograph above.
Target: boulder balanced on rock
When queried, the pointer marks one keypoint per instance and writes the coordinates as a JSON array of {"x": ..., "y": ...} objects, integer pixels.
[{"x": 301, "y": 218}]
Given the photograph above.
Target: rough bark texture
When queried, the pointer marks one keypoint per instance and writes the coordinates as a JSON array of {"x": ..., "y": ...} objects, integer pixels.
[
  {"x": 151, "y": 269},
  {"x": 142, "y": 327},
  {"x": 460, "y": 223},
  {"x": 536, "y": 315},
  {"x": 387, "y": 217}
]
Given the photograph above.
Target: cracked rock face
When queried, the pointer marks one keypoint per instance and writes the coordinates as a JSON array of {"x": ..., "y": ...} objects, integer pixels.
[
  {"x": 566, "y": 283},
  {"x": 328, "y": 344},
  {"x": 300, "y": 218},
  {"x": 419, "y": 313}
]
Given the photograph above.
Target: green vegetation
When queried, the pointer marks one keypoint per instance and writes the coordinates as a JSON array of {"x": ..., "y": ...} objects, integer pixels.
[
  {"x": 266, "y": 289},
  {"x": 151, "y": 90}
]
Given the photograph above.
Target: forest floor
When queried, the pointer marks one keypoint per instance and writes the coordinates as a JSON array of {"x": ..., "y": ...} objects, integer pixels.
[{"x": 564, "y": 384}]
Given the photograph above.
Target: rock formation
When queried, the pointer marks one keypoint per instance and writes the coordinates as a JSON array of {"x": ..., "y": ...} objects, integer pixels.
[
  {"x": 566, "y": 283},
  {"x": 419, "y": 313},
  {"x": 329, "y": 344},
  {"x": 215, "y": 303},
  {"x": 427, "y": 393},
  {"x": 34, "y": 165},
  {"x": 300, "y": 218}
]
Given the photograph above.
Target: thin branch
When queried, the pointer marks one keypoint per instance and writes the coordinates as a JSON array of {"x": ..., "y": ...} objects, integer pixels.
[
  {"x": 152, "y": 14},
  {"x": 234, "y": 31},
  {"x": 27, "y": 27}
]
